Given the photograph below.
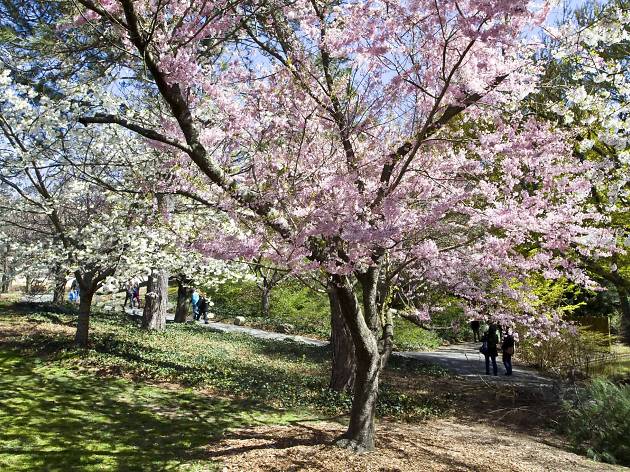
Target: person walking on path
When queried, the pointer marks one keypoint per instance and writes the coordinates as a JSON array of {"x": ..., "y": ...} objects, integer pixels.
[
  {"x": 489, "y": 348},
  {"x": 507, "y": 347},
  {"x": 73, "y": 296},
  {"x": 194, "y": 300},
  {"x": 203, "y": 308},
  {"x": 136, "y": 294},
  {"x": 128, "y": 294},
  {"x": 475, "y": 325}
]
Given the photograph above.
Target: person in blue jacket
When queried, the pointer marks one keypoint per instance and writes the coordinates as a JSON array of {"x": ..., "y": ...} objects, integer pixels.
[{"x": 195, "y": 304}]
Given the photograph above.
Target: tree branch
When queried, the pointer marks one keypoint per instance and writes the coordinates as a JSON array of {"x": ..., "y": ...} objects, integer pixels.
[{"x": 102, "y": 118}]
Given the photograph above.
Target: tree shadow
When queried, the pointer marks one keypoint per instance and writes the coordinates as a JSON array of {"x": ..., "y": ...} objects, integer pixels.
[{"x": 54, "y": 419}]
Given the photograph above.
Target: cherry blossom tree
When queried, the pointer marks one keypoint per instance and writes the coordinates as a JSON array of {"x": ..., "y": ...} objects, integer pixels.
[{"x": 358, "y": 138}]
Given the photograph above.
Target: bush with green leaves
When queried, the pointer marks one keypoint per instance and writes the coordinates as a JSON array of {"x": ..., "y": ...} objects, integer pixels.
[
  {"x": 598, "y": 421},
  {"x": 567, "y": 354}
]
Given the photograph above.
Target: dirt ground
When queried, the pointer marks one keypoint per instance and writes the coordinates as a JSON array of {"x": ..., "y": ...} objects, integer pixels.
[{"x": 438, "y": 445}]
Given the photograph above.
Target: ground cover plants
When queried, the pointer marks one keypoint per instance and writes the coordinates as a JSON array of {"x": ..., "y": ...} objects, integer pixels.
[{"x": 278, "y": 374}]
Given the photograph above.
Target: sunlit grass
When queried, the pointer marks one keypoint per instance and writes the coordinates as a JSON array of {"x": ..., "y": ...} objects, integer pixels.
[{"x": 55, "y": 419}]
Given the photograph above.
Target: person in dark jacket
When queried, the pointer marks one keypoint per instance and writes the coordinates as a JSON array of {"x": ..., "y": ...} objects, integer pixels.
[
  {"x": 507, "y": 347},
  {"x": 128, "y": 294},
  {"x": 202, "y": 305},
  {"x": 491, "y": 339},
  {"x": 474, "y": 325}
]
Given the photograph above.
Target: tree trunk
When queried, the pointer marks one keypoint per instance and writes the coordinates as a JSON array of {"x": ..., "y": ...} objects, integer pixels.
[
  {"x": 266, "y": 295},
  {"x": 183, "y": 312},
  {"x": 86, "y": 292},
  {"x": 369, "y": 287},
  {"x": 156, "y": 301},
  {"x": 6, "y": 283},
  {"x": 343, "y": 358},
  {"x": 625, "y": 314},
  {"x": 59, "y": 293},
  {"x": 28, "y": 283},
  {"x": 360, "y": 434},
  {"x": 6, "y": 276}
]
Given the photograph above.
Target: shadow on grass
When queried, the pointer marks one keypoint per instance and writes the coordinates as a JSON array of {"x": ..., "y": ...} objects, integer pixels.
[{"x": 53, "y": 419}]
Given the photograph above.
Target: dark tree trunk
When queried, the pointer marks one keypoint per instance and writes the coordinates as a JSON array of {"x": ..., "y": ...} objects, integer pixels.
[
  {"x": 86, "y": 291},
  {"x": 6, "y": 276},
  {"x": 59, "y": 292},
  {"x": 29, "y": 282},
  {"x": 266, "y": 295},
  {"x": 369, "y": 287},
  {"x": 625, "y": 314},
  {"x": 6, "y": 283},
  {"x": 343, "y": 358},
  {"x": 156, "y": 301},
  {"x": 360, "y": 434},
  {"x": 183, "y": 312}
]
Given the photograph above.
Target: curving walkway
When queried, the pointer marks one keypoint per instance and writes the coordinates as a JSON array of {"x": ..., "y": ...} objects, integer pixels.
[{"x": 463, "y": 360}]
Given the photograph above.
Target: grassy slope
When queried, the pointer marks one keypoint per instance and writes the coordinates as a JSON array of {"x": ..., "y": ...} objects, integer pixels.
[
  {"x": 308, "y": 311},
  {"x": 53, "y": 418},
  {"x": 278, "y": 374},
  {"x": 62, "y": 407}
]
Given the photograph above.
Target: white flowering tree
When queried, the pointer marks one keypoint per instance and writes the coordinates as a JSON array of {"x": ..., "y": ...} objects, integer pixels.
[
  {"x": 588, "y": 93},
  {"x": 49, "y": 169}
]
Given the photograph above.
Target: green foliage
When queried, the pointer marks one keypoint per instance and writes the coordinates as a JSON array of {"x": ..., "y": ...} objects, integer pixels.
[
  {"x": 290, "y": 303},
  {"x": 235, "y": 299},
  {"x": 277, "y": 374},
  {"x": 567, "y": 353},
  {"x": 53, "y": 418},
  {"x": 308, "y": 312},
  {"x": 597, "y": 421},
  {"x": 559, "y": 294},
  {"x": 409, "y": 337}
]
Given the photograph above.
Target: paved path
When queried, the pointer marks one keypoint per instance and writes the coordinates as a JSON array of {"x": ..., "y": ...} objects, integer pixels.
[
  {"x": 461, "y": 359},
  {"x": 231, "y": 328},
  {"x": 465, "y": 360}
]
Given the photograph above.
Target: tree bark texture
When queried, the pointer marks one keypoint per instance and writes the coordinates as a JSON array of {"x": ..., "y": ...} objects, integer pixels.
[
  {"x": 156, "y": 301},
  {"x": 359, "y": 436},
  {"x": 183, "y": 312},
  {"x": 59, "y": 292},
  {"x": 265, "y": 299},
  {"x": 86, "y": 292},
  {"x": 28, "y": 283},
  {"x": 6, "y": 283},
  {"x": 369, "y": 287},
  {"x": 6, "y": 271},
  {"x": 343, "y": 358}
]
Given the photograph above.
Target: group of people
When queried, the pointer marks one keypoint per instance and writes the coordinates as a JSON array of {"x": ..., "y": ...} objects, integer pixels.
[
  {"x": 492, "y": 340},
  {"x": 132, "y": 294},
  {"x": 199, "y": 306}
]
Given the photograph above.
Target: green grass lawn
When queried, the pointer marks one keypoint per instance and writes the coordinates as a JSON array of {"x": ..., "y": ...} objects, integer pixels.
[
  {"x": 151, "y": 401},
  {"x": 56, "y": 419},
  {"x": 306, "y": 310},
  {"x": 278, "y": 374}
]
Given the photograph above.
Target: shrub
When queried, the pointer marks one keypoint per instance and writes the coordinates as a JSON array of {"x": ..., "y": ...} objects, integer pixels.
[
  {"x": 567, "y": 353},
  {"x": 409, "y": 337},
  {"x": 598, "y": 421}
]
